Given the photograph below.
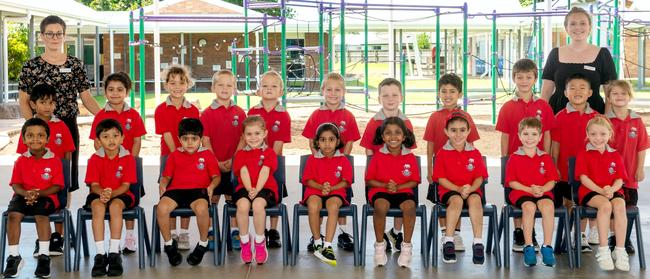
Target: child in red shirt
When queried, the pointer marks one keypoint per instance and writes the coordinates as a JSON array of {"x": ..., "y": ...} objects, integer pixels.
[
  {"x": 188, "y": 181},
  {"x": 601, "y": 172},
  {"x": 392, "y": 177},
  {"x": 37, "y": 177},
  {"x": 167, "y": 117},
  {"x": 531, "y": 175},
  {"x": 460, "y": 187},
  {"x": 326, "y": 176},
  {"x": 110, "y": 172},
  {"x": 257, "y": 189}
]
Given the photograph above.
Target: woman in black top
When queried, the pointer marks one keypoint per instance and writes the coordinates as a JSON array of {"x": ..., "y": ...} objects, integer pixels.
[{"x": 579, "y": 56}]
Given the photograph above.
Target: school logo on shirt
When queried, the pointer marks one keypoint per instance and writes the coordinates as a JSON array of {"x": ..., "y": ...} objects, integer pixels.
[
  {"x": 276, "y": 126},
  {"x": 128, "y": 124},
  {"x": 538, "y": 114},
  {"x": 338, "y": 171},
  {"x": 542, "y": 171},
  {"x": 612, "y": 168},
  {"x": 470, "y": 164},
  {"x": 407, "y": 170},
  {"x": 118, "y": 174},
  {"x": 58, "y": 139},
  {"x": 632, "y": 132},
  {"x": 235, "y": 121},
  {"x": 261, "y": 161},
  {"x": 201, "y": 164},
  {"x": 342, "y": 126},
  {"x": 46, "y": 174}
]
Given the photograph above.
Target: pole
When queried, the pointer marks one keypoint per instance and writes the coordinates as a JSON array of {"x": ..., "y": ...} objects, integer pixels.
[
  {"x": 321, "y": 43},
  {"x": 540, "y": 54},
  {"x": 641, "y": 60},
  {"x": 616, "y": 48},
  {"x": 142, "y": 47},
  {"x": 568, "y": 7},
  {"x": 438, "y": 56},
  {"x": 597, "y": 25},
  {"x": 233, "y": 62},
  {"x": 283, "y": 52},
  {"x": 342, "y": 31},
  {"x": 247, "y": 57},
  {"x": 265, "y": 45},
  {"x": 330, "y": 45},
  {"x": 402, "y": 76},
  {"x": 156, "y": 55},
  {"x": 365, "y": 54},
  {"x": 495, "y": 68},
  {"x": 465, "y": 58},
  {"x": 131, "y": 57}
]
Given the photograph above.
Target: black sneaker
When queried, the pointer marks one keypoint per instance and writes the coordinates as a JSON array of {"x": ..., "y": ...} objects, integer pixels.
[
  {"x": 310, "y": 246},
  {"x": 629, "y": 248},
  {"x": 56, "y": 244},
  {"x": 13, "y": 266},
  {"x": 272, "y": 238},
  {"x": 36, "y": 248},
  {"x": 114, "y": 265},
  {"x": 389, "y": 245},
  {"x": 99, "y": 267},
  {"x": 449, "y": 252},
  {"x": 479, "y": 253},
  {"x": 611, "y": 242},
  {"x": 175, "y": 258},
  {"x": 396, "y": 239},
  {"x": 196, "y": 256},
  {"x": 518, "y": 240},
  {"x": 345, "y": 242},
  {"x": 42, "y": 267}
]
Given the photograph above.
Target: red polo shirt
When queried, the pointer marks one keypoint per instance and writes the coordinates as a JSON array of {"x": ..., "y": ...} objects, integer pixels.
[
  {"x": 191, "y": 171},
  {"x": 132, "y": 124},
  {"x": 223, "y": 125},
  {"x": 60, "y": 140},
  {"x": 459, "y": 167},
  {"x": 167, "y": 118},
  {"x": 341, "y": 117},
  {"x": 603, "y": 169},
  {"x": 401, "y": 168},
  {"x": 536, "y": 170},
  {"x": 278, "y": 123},
  {"x": 571, "y": 134},
  {"x": 513, "y": 111},
  {"x": 322, "y": 169},
  {"x": 630, "y": 138},
  {"x": 371, "y": 130},
  {"x": 435, "y": 130},
  {"x": 111, "y": 173},
  {"x": 41, "y": 174},
  {"x": 254, "y": 160}
]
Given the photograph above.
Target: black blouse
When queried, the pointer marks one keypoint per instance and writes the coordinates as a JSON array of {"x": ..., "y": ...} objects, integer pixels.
[{"x": 599, "y": 72}]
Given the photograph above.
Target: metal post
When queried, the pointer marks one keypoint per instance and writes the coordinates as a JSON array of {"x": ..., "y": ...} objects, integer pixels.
[
  {"x": 641, "y": 60},
  {"x": 3, "y": 59},
  {"x": 568, "y": 7},
  {"x": 495, "y": 68},
  {"x": 365, "y": 55},
  {"x": 80, "y": 43},
  {"x": 98, "y": 78},
  {"x": 597, "y": 26},
  {"x": 465, "y": 57},
  {"x": 540, "y": 54},
  {"x": 438, "y": 56},
  {"x": 182, "y": 47},
  {"x": 265, "y": 45},
  {"x": 321, "y": 43},
  {"x": 402, "y": 76},
  {"x": 342, "y": 34},
  {"x": 142, "y": 47},
  {"x": 131, "y": 57},
  {"x": 283, "y": 52},
  {"x": 111, "y": 46},
  {"x": 32, "y": 37},
  {"x": 233, "y": 64},
  {"x": 330, "y": 45},
  {"x": 247, "y": 57},
  {"x": 616, "y": 47}
]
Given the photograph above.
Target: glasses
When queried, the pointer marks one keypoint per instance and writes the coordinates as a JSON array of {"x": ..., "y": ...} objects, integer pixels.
[{"x": 51, "y": 35}]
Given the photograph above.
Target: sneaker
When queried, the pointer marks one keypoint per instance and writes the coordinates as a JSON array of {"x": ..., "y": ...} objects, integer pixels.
[
  {"x": 235, "y": 240},
  {"x": 184, "y": 242},
  {"x": 380, "y": 253},
  {"x": 629, "y": 248},
  {"x": 345, "y": 242},
  {"x": 395, "y": 239},
  {"x": 99, "y": 267},
  {"x": 56, "y": 244},
  {"x": 518, "y": 240},
  {"x": 584, "y": 244},
  {"x": 272, "y": 239},
  {"x": 175, "y": 258},
  {"x": 459, "y": 246},
  {"x": 604, "y": 258},
  {"x": 175, "y": 237},
  {"x": 246, "y": 253},
  {"x": 261, "y": 254},
  {"x": 13, "y": 266},
  {"x": 196, "y": 256},
  {"x": 326, "y": 254},
  {"x": 129, "y": 245},
  {"x": 389, "y": 246},
  {"x": 622, "y": 261},
  {"x": 593, "y": 236},
  {"x": 114, "y": 265},
  {"x": 448, "y": 252},
  {"x": 548, "y": 258},
  {"x": 530, "y": 259},
  {"x": 310, "y": 246},
  {"x": 405, "y": 255},
  {"x": 479, "y": 253},
  {"x": 42, "y": 267}
]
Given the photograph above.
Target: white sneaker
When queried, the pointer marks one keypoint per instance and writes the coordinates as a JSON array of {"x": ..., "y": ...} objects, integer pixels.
[
  {"x": 593, "y": 236},
  {"x": 622, "y": 260},
  {"x": 405, "y": 255},
  {"x": 459, "y": 246},
  {"x": 604, "y": 258},
  {"x": 380, "y": 253},
  {"x": 129, "y": 244},
  {"x": 184, "y": 242},
  {"x": 585, "y": 248}
]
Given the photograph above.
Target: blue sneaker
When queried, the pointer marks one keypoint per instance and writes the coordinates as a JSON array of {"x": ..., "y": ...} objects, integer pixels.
[
  {"x": 530, "y": 259},
  {"x": 235, "y": 240},
  {"x": 548, "y": 258},
  {"x": 210, "y": 240}
]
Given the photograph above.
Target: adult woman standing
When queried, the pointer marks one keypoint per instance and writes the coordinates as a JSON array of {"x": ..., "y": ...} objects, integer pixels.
[{"x": 579, "y": 56}]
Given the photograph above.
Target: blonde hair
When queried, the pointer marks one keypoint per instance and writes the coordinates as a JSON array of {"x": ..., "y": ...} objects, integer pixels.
[
  {"x": 275, "y": 74},
  {"x": 181, "y": 71},
  {"x": 530, "y": 122},
  {"x": 576, "y": 10},
  {"x": 332, "y": 77},
  {"x": 602, "y": 121},
  {"x": 623, "y": 84},
  {"x": 224, "y": 73}
]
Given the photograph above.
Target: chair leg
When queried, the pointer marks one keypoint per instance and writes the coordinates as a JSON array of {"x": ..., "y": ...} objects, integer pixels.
[
  {"x": 216, "y": 235},
  {"x": 576, "y": 236},
  {"x": 639, "y": 241},
  {"x": 286, "y": 238},
  {"x": 567, "y": 240},
  {"x": 141, "y": 236},
  {"x": 71, "y": 233},
  {"x": 3, "y": 240},
  {"x": 225, "y": 232},
  {"x": 355, "y": 235},
  {"x": 155, "y": 237},
  {"x": 559, "y": 242},
  {"x": 147, "y": 241},
  {"x": 296, "y": 232},
  {"x": 497, "y": 250},
  {"x": 423, "y": 228},
  {"x": 84, "y": 238},
  {"x": 434, "y": 234},
  {"x": 80, "y": 229},
  {"x": 490, "y": 235},
  {"x": 505, "y": 221},
  {"x": 364, "y": 231},
  {"x": 500, "y": 226},
  {"x": 67, "y": 226}
]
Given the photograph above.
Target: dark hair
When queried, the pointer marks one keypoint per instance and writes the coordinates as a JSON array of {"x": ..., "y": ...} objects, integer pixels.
[
  {"x": 190, "y": 126},
  {"x": 389, "y": 81},
  {"x": 327, "y": 126},
  {"x": 120, "y": 77},
  {"x": 52, "y": 19},
  {"x": 106, "y": 125},
  {"x": 578, "y": 76},
  {"x": 452, "y": 79},
  {"x": 524, "y": 65},
  {"x": 409, "y": 137},
  {"x": 456, "y": 116},
  {"x": 35, "y": 122},
  {"x": 42, "y": 91}
]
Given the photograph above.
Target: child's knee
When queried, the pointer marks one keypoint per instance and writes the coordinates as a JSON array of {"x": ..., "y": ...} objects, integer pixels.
[
  {"x": 455, "y": 201},
  {"x": 259, "y": 205},
  {"x": 200, "y": 209},
  {"x": 15, "y": 217},
  {"x": 528, "y": 207},
  {"x": 407, "y": 206}
]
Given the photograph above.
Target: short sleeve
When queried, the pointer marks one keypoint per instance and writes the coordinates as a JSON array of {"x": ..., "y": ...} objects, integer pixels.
[
  {"x": 310, "y": 126},
  {"x": 16, "y": 175},
  {"x": 621, "y": 172},
  {"x": 511, "y": 175},
  {"x": 310, "y": 170},
  {"x": 286, "y": 133},
  {"x": 581, "y": 166},
  {"x": 92, "y": 172},
  {"x": 270, "y": 160},
  {"x": 415, "y": 177},
  {"x": 351, "y": 129},
  {"x": 26, "y": 80},
  {"x": 160, "y": 120},
  {"x": 83, "y": 83},
  {"x": 480, "y": 166},
  {"x": 239, "y": 162},
  {"x": 368, "y": 135},
  {"x": 607, "y": 67},
  {"x": 439, "y": 170},
  {"x": 551, "y": 65},
  {"x": 428, "y": 131},
  {"x": 170, "y": 165},
  {"x": 548, "y": 118},
  {"x": 347, "y": 171},
  {"x": 138, "y": 126},
  {"x": 502, "y": 120},
  {"x": 129, "y": 175},
  {"x": 98, "y": 118},
  {"x": 371, "y": 173},
  {"x": 205, "y": 121},
  {"x": 213, "y": 165},
  {"x": 57, "y": 169},
  {"x": 551, "y": 174},
  {"x": 642, "y": 143},
  {"x": 68, "y": 142}
]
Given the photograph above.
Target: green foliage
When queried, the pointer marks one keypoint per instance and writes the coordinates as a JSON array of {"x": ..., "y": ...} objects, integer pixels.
[
  {"x": 423, "y": 41},
  {"x": 115, "y": 5},
  {"x": 18, "y": 51}
]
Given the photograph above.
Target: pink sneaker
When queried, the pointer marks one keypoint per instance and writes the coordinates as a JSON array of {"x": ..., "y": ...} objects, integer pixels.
[
  {"x": 246, "y": 253},
  {"x": 261, "y": 255}
]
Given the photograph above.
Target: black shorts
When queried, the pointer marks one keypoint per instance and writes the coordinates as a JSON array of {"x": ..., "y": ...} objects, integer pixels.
[
  {"x": 324, "y": 199},
  {"x": 591, "y": 195},
  {"x": 524, "y": 199},
  {"x": 395, "y": 200},
  {"x": 43, "y": 206},
  {"x": 266, "y": 194},
  {"x": 445, "y": 198},
  {"x": 562, "y": 190},
  {"x": 126, "y": 199},
  {"x": 185, "y": 197},
  {"x": 225, "y": 186},
  {"x": 631, "y": 196}
]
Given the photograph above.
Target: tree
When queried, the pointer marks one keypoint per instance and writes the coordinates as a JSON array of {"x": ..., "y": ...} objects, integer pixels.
[
  {"x": 115, "y": 5},
  {"x": 18, "y": 51},
  {"x": 423, "y": 41}
]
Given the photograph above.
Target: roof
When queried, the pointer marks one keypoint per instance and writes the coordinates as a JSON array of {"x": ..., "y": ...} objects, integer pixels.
[{"x": 71, "y": 11}]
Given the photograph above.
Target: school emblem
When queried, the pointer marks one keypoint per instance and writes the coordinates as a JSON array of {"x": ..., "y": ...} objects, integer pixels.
[
  {"x": 632, "y": 132},
  {"x": 276, "y": 126},
  {"x": 338, "y": 171},
  {"x": 261, "y": 161},
  {"x": 407, "y": 170},
  {"x": 342, "y": 126},
  {"x": 127, "y": 126},
  {"x": 235, "y": 121},
  {"x": 470, "y": 164},
  {"x": 612, "y": 168},
  {"x": 542, "y": 171},
  {"x": 58, "y": 139},
  {"x": 46, "y": 174},
  {"x": 201, "y": 164},
  {"x": 118, "y": 174},
  {"x": 538, "y": 114}
]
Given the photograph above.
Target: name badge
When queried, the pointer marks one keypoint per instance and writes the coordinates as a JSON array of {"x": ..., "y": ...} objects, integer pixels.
[
  {"x": 590, "y": 68},
  {"x": 65, "y": 70}
]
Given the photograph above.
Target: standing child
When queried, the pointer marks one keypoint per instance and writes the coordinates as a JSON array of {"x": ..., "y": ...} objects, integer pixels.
[
  {"x": 601, "y": 172},
  {"x": 188, "y": 181},
  {"x": 167, "y": 117},
  {"x": 278, "y": 123},
  {"x": 392, "y": 178},
  {"x": 460, "y": 171},
  {"x": 531, "y": 175},
  {"x": 326, "y": 176},
  {"x": 334, "y": 111},
  {"x": 257, "y": 189},
  {"x": 37, "y": 177},
  {"x": 111, "y": 171},
  {"x": 630, "y": 140}
]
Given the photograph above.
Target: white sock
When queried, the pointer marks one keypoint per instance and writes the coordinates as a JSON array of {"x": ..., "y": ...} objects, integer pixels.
[
  {"x": 129, "y": 233},
  {"x": 448, "y": 239},
  {"x": 184, "y": 231},
  {"x": 396, "y": 231},
  {"x": 327, "y": 244},
  {"x": 43, "y": 247},
  {"x": 13, "y": 250},
  {"x": 478, "y": 241},
  {"x": 169, "y": 243},
  {"x": 244, "y": 238},
  {"x": 620, "y": 249},
  {"x": 203, "y": 243},
  {"x": 317, "y": 242},
  {"x": 259, "y": 238},
  {"x": 114, "y": 246},
  {"x": 99, "y": 247},
  {"x": 233, "y": 229}
]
